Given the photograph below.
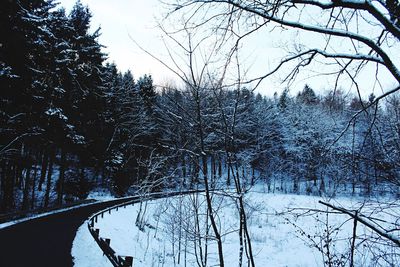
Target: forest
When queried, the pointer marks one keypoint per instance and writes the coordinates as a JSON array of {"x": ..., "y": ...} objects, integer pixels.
[{"x": 72, "y": 124}]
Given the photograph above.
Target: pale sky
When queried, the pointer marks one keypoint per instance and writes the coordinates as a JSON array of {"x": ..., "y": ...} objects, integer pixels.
[{"x": 120, "y": 19}]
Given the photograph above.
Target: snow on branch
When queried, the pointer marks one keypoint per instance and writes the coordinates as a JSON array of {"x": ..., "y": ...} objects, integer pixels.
[
  {"x": 380, "y": 15},
  {"x": 362, "y": 219},
  {"x": 356, "y": 5},
  {"x": 322, "y": 30}
]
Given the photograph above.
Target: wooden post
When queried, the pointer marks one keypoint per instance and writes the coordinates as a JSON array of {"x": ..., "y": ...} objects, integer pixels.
[
  {"x": 91, "y": 223},
  {"x": 128, "y": 261},
  {"x": 105, "y": 246},
  {"x": 97, "y": 232},
  {"x": 95, "y": 218}
]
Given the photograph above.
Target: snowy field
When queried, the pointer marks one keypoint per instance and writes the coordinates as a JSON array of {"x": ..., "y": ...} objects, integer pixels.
[{"x": 283, "y": 231}]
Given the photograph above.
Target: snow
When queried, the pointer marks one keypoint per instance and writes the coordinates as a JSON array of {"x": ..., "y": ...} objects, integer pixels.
[
  {"x": 281, "y": 234},
  {"x": 100, "y": 195},
  {"x": 56, "y": 112},
  {"x": 87, "y": 251}
]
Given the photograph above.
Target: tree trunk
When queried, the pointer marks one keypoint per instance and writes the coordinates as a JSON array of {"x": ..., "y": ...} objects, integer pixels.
[
  {"x": 60, "y": 187},
  {"x": 240, "y": 241},
  {"x": 205, "y": 167},
  {"x": 253, "y": 178},
  {"x": 4, "y": 185},
  {"x": 18, "y": 169},
  {"x": 83, "y": 190},
  {"x": 183, "y": 170},
  {"x": 213, "y": 170},
  {"x": 247, "y": 235},
  {"x": 33, "y": 188},
  {"x": 25, "y": 198},
  {"x": 45, "y": 162},
  {"x": 196, "y": 171},
  {"x": 295, "y": 185},
  {"x": 10, "y": 184},
  {"x": 228, "y": 180},
  {"x": 212, "y": 218},
  {"x": 48, "y": 184},
  {"x": 219, "y": 167}
]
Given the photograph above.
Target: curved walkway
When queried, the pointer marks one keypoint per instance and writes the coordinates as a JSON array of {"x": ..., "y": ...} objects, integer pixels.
[{"x": 46, "y": 241}]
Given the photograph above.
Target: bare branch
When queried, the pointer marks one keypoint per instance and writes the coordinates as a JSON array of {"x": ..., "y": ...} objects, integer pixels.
[{"x": 356, "y": 215}]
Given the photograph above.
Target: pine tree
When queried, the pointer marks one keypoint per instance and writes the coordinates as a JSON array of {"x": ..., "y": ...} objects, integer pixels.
[{"x": 22, "y": 59}]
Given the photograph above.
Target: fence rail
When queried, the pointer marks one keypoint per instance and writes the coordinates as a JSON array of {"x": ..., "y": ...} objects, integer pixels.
[{"x": 105, "y": 243}]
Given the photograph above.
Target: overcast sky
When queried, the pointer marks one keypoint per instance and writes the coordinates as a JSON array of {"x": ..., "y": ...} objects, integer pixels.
[{"x": 122, "y": 19}]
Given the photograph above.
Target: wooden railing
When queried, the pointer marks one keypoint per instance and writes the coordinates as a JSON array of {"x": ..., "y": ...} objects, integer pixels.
[{"x": 105, "y": 243}]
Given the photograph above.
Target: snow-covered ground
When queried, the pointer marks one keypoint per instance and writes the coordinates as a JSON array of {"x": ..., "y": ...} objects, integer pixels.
[
  {"x": 283, "y": 231},
  {"x": 86, "y": 252}
]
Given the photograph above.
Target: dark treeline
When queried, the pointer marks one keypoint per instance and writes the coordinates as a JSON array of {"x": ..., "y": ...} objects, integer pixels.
[
  {"x": 71, "y": 124},
  {"x": 63, "y": 111}
]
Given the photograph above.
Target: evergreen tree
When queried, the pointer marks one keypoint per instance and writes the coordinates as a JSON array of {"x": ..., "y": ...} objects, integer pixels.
[
  {"x": 22, "y": 51},
  {"x": 307, "y": 96}
]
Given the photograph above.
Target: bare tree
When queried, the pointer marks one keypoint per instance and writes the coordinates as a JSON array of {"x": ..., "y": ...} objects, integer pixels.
[
  {"x": 344, "y": 39},
  {"x": 346, "y": 36},
  {"x": 193, "y": 73}
]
